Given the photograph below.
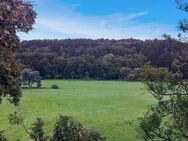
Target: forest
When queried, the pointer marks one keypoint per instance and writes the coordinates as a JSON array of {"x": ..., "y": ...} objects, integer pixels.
[{"x": 101, "y": 59}]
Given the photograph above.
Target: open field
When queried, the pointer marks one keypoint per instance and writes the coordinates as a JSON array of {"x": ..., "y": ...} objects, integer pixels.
[{"x": 110, "y": 107}]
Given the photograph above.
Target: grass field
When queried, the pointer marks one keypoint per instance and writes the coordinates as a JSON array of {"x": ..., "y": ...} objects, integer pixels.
[{"x": 110, "y": 107}]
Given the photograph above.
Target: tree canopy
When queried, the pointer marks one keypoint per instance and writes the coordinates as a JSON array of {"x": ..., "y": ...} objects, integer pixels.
[
  {"x": 101, "y": 59},
  {"x": 15, "y": 16},
  {"x": 30, "y": 78}
]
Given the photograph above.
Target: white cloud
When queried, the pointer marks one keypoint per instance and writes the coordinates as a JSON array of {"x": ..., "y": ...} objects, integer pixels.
[{"x": 65, "y": 22}]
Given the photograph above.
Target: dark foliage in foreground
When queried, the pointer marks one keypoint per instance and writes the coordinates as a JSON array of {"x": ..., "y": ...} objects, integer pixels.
[
  {"x": 168, "y": 120},
  {"x": 96, "y": 59},
  {"x": 37, "y": 131},
  {"x": 66, "y": 129},
  {"x": 14, "y": 16},
  {"x": 2, "y": 138}
]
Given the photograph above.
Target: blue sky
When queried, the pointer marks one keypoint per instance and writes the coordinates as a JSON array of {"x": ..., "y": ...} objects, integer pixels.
[{"x": 113, "y": 19}]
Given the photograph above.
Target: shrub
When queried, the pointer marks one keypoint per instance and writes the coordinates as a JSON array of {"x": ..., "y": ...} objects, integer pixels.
[
  {"x": 2, "y": 138},
  {"x": 54, "y": 86},
  {"x": 37, "y": 131},
  {"x": 66, "y": 129}
]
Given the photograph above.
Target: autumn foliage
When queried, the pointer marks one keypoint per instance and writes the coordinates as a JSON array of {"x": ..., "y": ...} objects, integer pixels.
[{"x": 15, "y": 16}]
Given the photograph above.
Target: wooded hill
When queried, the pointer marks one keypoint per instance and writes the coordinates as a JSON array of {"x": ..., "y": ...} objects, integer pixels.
[{"x": 100, "y": 59}]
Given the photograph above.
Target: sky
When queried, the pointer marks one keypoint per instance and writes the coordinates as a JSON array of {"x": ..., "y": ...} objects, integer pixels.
[{"x": 109, "y": 19}]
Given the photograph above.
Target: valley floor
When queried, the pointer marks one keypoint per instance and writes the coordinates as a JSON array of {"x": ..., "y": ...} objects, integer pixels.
[{"x": 109, "y": 107}]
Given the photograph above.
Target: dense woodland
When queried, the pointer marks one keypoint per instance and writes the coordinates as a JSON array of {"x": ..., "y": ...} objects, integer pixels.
[{"x": 100, "y": 59}]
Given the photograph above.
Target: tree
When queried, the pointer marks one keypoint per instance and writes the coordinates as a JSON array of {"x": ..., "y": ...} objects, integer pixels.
[
  {"x": 183, "y": 24},
  {"x": 29, "y": 78},
  {"x": 167, "y": 120},
  {"x": 124, "y": 72},
  {"x": 15, "y": 16},
  {"x": 2, "y": 138},
  {"x": 37, "y": 131},
  {"x": 66, "y": 129}
]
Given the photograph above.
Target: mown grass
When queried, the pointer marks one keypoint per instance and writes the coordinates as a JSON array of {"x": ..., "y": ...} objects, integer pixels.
[{"x": 110, "y": 107}]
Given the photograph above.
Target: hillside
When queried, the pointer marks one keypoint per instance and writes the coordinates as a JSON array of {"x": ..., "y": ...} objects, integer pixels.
[{"x": 101, "y": 59}]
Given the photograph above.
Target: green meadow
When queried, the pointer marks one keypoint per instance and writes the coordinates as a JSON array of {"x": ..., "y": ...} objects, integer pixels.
[{"x": 110, "y": 107}]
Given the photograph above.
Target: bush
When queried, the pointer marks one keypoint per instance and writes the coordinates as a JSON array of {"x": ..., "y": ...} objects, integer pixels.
[
  {"x": 37, "y": 131},
  {"x": 66, "y": 129},
  {"x": 54, "y": 86},
  {"x": 2, "y": 138}
]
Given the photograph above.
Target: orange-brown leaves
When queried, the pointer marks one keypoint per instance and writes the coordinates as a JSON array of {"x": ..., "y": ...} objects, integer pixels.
[{"x": 15, "y": 16}]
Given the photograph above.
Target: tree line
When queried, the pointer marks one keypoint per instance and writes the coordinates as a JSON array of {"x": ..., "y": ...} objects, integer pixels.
[{"x": 101, "y": 59}]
